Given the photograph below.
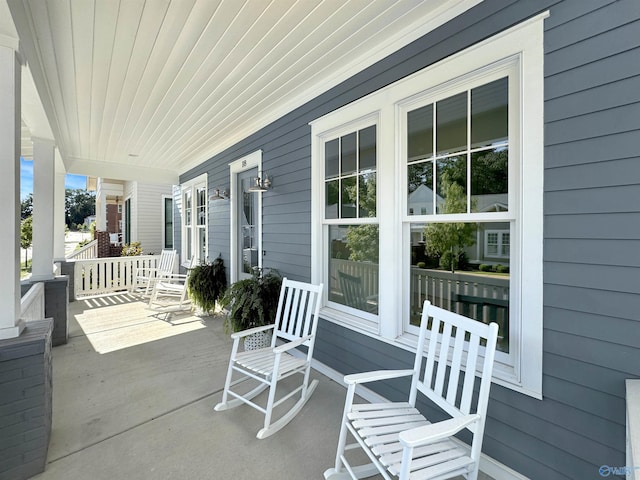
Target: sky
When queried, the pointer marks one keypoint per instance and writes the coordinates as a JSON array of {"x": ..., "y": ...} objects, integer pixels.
[{"x": 26, "y": 179}]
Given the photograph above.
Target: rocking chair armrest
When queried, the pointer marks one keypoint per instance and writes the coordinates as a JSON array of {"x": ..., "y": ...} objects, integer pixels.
[
  {"x": 249, "y": 331},
  {"x": 436, "y": 431},
  {"x": 373, "y": 376},
  {"x": 293, "y": 344}
]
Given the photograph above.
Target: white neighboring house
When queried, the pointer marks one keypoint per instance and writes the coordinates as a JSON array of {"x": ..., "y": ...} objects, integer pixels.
[{"x": 133, "y": 211}]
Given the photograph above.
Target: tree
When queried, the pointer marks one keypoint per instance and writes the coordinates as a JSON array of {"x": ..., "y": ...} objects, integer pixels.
[
  {"x": 26, "y": 236},
  {"x": 26, "y": 207},
  {"x": 78, "y": 204},
  {"x": 362, "y": 240},
  {"x": 448, "y": 240}
]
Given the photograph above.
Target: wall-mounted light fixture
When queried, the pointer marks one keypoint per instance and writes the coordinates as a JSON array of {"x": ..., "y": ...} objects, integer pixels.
[
  {"x": 219, "y": 194},
  {"x": 261, "y": 183}
]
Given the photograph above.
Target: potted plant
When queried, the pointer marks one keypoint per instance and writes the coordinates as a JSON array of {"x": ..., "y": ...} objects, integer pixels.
[
  {"x": 252, "y": 302},
  {"x": 206, "y": 284}
]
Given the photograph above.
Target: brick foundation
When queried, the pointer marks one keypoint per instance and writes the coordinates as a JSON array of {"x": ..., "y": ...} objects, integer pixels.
[{"x": 25, "y": 401}]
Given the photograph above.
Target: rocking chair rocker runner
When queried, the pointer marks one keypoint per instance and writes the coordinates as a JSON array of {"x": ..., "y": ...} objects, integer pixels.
[
  {"x": 295, "y": 324},
  {"x": 399, "y": 441}
]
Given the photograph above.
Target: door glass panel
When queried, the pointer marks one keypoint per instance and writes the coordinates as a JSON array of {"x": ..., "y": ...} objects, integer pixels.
[{"x": 248, "y": 241}]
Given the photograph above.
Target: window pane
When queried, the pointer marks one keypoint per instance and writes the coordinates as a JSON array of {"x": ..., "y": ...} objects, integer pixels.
[
  {"x": 474, "y": 286},
  {"x": 451, "y": 131},
  {"x": 490, "y": 181},
  {"x": 189, "y": 240},
  {"x": 420, "y": 128},
  {"x": 348, "y": 154},
  {"x": 420, "y": 189},
  {"x": 332, "y": 198},
  {"x": 202, "y": 244},
  {"x": 348, "y": 192},
  {"x": 367, "y": 195},
  {"x": 201, "y": 208},
  {"x": 187, "y": 208},
  {"x": 490, "y": 114},
  {"x": 331, "y": 159},
  {"x": 367, "y": 148},
  {"x": 168, "y": 223},
  {"x": 451, "y": 185},
  {"x": 353, "y": 266}
]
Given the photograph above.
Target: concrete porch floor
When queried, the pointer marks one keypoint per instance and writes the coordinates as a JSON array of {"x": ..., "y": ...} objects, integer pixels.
[{"x": 133, "y": 398}]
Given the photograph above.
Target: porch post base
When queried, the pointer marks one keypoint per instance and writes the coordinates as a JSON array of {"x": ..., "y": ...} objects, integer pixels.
[{"x": 25, "y": 400}]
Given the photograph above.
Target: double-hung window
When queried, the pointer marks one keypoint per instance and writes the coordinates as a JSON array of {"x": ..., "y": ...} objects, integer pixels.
[
  {"x": 194, "y": 220},
  {"x": 431, "y": 189},
  {"x": 349, "y": 223}
]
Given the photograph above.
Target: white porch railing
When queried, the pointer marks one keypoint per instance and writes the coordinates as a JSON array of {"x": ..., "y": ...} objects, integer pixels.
[
  {"x": 633, "y": 429},
  {"x": 367, "y": 272},
  {"x": 110, "y": 274},
  {"x": 32, "y": 303},
  {"x": 445, "y": 289},
  {"x": 90, "y": 250}
]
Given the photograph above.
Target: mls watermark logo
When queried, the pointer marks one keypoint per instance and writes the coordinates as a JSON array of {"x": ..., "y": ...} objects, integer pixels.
[{"x": 606, "y": 470}]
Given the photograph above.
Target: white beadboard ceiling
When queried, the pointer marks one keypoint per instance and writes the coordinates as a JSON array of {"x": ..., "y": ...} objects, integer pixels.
[{"x": 148, "y": 89}]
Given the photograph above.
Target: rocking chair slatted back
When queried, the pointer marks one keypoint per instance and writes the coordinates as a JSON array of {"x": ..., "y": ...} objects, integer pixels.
[
  {"x": 296, "y": 315},
  {"x": 457, "y": 343}
]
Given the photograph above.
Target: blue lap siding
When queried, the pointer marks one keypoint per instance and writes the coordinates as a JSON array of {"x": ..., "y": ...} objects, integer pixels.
[{"x": 591, "y": 227}]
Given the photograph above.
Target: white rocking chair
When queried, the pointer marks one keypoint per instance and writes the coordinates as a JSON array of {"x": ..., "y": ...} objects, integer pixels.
[
  {"x": 399, "y": 441},
  {"x": 170, "y": 292},
  {"x": 144, "y": 279},
  {"x": 295, "y": 325}
]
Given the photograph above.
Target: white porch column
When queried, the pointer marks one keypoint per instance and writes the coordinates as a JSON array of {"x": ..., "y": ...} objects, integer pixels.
[
  {"x": 58, "y": 216},
  {"x": 10, "y": 77},
  {"x": 43, "y": 208}
]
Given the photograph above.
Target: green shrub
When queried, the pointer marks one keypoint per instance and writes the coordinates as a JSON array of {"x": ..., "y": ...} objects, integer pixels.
[
  {"x": 421, "y": 265},
  {"x": 484, "y": 267},
  {"x": 502, "y": 268}
]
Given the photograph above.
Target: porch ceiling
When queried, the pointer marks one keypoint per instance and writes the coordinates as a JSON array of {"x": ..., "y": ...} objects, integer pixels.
[{"x": 152, "y": 88}]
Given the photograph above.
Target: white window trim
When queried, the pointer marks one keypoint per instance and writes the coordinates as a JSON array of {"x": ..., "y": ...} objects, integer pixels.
[
  {"x": 192, "y": 185},
  {"x": 247, "y": 162},
  {"x": 522, "y": 44}
]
